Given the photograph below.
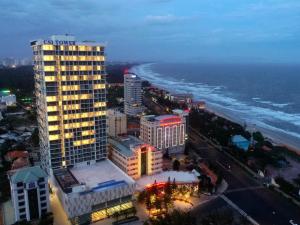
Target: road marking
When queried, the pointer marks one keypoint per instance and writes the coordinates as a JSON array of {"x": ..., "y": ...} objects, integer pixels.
[{"x": 242, "y": 212}]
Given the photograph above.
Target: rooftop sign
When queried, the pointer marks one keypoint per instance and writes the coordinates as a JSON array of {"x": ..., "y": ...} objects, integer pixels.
[{"x": 59, "y": 42}]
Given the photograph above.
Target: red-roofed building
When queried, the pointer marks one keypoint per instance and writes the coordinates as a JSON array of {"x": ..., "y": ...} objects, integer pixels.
[
  {"x": 10, "y": 156},
  {"x": 20, "y": 163}
]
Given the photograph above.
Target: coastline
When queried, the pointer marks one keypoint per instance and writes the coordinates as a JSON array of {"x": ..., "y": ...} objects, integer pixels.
[
  {"x": 270, "y": 135},
  {"x": 273, "y": 137}
]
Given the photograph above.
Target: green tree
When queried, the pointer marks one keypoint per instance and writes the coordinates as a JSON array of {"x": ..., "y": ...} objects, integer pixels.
[
  {"x": 46, "y": 219},
  {"x": 142, "y": 196},
  {"x": 174, "y": 218},
  {"x": 218, "y": 217},
  {"x": 257, "y": 136}
]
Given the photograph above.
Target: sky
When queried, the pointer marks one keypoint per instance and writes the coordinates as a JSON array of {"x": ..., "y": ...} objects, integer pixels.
[{"x": 160, "y": 30}]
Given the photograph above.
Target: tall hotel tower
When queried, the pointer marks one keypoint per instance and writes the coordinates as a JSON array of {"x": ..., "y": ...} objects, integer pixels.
[
  {"x": 71, "y": 101},
  {"x": 132, "y": 94},
  {"x": 71, "y": 112}
]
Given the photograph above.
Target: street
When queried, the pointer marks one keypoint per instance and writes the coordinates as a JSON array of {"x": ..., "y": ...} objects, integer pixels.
[{"x": 265, "y": 206}]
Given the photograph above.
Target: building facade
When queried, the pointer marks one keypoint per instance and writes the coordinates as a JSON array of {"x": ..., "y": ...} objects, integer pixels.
[
  {"x": 71, "y": 110},
  {"x": 29, "y": 193},
  {"x": 92, "y": 193},
  {"x": 116, "y": 123},
  {"x": 71, "y": 101},
  {"x": 166, "y": 132},
  {"x": 132, "y": 94},
  {"x": 8, "y": 100},
  {"x": 135, "y": 157}
]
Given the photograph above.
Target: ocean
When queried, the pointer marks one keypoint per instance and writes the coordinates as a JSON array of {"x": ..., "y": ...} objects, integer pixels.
[{"x": 266, "y": 97}]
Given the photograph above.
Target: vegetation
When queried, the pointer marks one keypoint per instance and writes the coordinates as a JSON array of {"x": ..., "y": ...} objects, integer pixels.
[
  {"x": 159, "y": 198},
  {"x": 174, "y": 218},
  {"x": 223, "y": 216},
  {"x": 114, "y": 93},
  {"x": 297, "y": 181},
  {"x": 46, "y": 219},
  {"x": 22, "y": 222},
  {"x": 19, "y": 80},
  {"x": 216, "y": 128},
  {"x": 287, "y": 187},
  {"x": 176, "y": 165}
]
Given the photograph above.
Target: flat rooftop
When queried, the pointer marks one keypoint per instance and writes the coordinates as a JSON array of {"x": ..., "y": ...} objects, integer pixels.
[
  {"x": 123, "y": 144},
  {"x": 98, "y": 173},
  {"x": 179, "y": 176}
]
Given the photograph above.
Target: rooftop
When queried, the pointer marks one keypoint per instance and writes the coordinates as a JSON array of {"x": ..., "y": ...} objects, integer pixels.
[
  {"x": 100, "y": 175},
  {"x": 179, "y": 176},
  {"x": 124, "y": 143},
  {"x": 99, "y": 172},
  {"x": 115, "y": 112},
  {"x": 239, "y": 138},
  {"x": 64, "y": 40},
  {"x": 162, "y": 118},
  {"x": 27, "y": 175}
]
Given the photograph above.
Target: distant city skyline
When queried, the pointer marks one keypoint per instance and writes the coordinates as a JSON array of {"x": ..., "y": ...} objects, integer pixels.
[{"x": 161, "y": 30}]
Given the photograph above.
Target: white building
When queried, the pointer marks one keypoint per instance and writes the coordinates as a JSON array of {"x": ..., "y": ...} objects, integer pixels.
[
  {"x": 92, "y": 193},
  {"x": 132, "y": 95},
  {"x": 166, "y": 132},
  {"x": 8, "y": 99},
  {"x": 135, "y": 157},
  {"x": 116, "y": 123},
  {"x": 29, "y": 193}
]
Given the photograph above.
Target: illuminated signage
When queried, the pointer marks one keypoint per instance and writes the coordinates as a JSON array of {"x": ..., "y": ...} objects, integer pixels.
[{"x": 57, "y": 42}]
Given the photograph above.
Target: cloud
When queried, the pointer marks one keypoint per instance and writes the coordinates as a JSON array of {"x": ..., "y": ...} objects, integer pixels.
[{"x": 165, "y": 19}]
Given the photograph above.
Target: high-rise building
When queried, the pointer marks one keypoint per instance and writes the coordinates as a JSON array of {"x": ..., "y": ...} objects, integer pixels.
[
  {"x": 132, "y": 94},
  {"x": 71, "y": 112},
  {"x": 117, "y": 123},
  {"x": 71, "y": 101},
  {"x": 166, "y": 132},
  {"x": 29, "y": 193},
  {"x": 135, "y": 157}
]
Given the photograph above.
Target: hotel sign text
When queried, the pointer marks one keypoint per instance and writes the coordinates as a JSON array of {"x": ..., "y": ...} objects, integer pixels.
[{"x": 57, "y": 42}]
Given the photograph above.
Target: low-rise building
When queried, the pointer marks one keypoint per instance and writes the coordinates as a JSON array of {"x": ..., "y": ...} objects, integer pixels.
[
  {"x": 180, "y": 98},
  {"x": 116, "y": 122},
  {"x": 12, "y": 155},
  {"x": 29, "y": 193},
  {"x": 20, "y": 163},
  {"x": 95, "y": 192},
  {"x": 165, "y": 132},
  {"x": 240, "y": 142},
  {"x": 9, "y": 99},
  {"x": 135, "y": 157}
]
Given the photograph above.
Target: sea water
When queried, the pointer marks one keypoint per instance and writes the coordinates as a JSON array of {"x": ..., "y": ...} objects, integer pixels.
[{"x": 266, "y": 97}]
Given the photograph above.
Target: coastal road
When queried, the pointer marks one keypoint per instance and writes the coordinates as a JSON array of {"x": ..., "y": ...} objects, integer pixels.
[{"x": 263, "y": 205}]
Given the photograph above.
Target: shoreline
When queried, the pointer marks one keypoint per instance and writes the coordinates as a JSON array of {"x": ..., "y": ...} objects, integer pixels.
[
  {"x": 276, "y": 137},
  {"x": 273, "y": 137},
  {"x": 269, "y": 135}
]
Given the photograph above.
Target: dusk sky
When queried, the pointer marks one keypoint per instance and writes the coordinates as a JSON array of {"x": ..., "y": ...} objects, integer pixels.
[{"x": 160, "y": 30}]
